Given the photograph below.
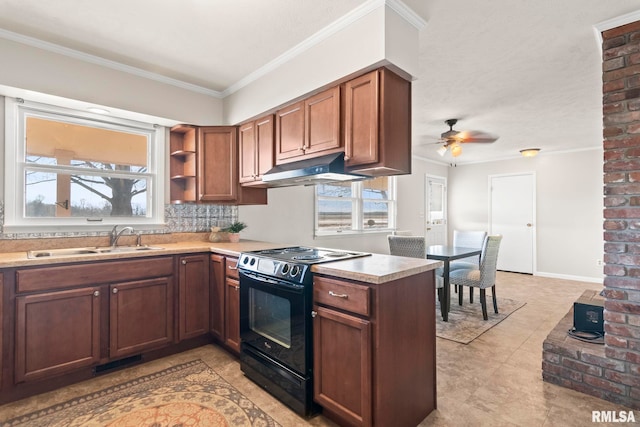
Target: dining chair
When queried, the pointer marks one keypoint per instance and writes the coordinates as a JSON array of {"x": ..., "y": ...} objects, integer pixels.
[
  {"x": 467, "y": 239},
  {"x": 410, "y": 246},
  {"x": 414, "y": 247},
  {"x": 483, "y": 276}
]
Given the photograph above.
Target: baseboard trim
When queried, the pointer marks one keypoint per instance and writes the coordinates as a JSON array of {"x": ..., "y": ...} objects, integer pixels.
[{"x": 599, "y": 280}]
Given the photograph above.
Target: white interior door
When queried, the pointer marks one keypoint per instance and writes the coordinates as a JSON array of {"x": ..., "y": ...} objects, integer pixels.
[
  {"x": 512, "y": 214},
  {"x": 436, "y": 209}
]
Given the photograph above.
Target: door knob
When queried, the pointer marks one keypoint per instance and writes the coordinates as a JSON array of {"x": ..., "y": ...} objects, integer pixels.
[
  {"x": 115, "y": 290},
  {"x": 529, "y": 224}
]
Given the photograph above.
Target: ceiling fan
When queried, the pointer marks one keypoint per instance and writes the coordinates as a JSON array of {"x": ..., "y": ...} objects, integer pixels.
[{"x": 453, "y": 138}]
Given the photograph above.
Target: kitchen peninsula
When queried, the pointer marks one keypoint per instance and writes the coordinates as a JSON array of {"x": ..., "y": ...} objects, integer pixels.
[{"x": 382, "y": 373}]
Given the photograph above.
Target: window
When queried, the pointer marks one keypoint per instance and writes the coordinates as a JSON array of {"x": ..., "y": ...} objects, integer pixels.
[
  {"x": 356, "y": 207},
  {"x": 73, "y": 170}
]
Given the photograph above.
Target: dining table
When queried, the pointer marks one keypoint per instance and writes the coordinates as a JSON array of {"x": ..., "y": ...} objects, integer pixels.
[{"x": 446, "y": 254}]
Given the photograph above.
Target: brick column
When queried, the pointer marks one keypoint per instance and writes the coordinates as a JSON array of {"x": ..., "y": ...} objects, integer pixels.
[{"x": 621, "y": 109}]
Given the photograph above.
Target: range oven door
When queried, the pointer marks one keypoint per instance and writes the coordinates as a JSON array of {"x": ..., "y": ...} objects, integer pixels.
[{"x": 275, "y": 319}]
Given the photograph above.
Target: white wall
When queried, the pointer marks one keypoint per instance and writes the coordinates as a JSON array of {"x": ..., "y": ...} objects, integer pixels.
[
  {"x": 289, "y": 216},
  {"x": 569, "y": 207},
  {"x": 32, "y": 69},
  {"x": 377, "y": 38}
]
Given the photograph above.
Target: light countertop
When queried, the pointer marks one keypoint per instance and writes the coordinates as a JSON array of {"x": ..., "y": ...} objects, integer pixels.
[{"x": 376, "y": 268}]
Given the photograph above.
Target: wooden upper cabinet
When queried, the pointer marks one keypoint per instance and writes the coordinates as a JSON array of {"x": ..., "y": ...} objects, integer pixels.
[
  {"x": 377, "y": 124},
  {"x": 309, "y": 128},
  {"x": 217, "y": 163},
  {"x": 255, "y": 140},
  {"x": 182, "y": 164}
]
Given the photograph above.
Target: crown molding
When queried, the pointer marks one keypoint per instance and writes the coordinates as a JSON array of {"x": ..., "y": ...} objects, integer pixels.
[
  {"x": 618, "y": 21},
  {"x": 396, "y": 5},
  {"x": 93, "y": 59},
  {"x": 339, "y": 24}
]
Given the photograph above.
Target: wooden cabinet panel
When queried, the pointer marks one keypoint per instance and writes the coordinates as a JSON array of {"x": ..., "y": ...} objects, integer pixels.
[
  {"x": 309, "y": 128},
  {"x": 255, "y": 141},
  {"x": 290, "y": 132},
  {"x": 342, "y": 357},
  {"x": 377, "y": 117},
  {"x": 232, "y": 314},
  {"x": 361, "y": 120},
  {"x": 83, "y": 274},
  {"x": 140, "y": 316},
  {"x": 322, "y": 122},
  {"x": 342, "y": 295},
  {"x": 56, "y": 333},
  {"x": 217, "y": 300},
  {"x": 193, "y": 283},
  {"x": 217, "y": 164}
]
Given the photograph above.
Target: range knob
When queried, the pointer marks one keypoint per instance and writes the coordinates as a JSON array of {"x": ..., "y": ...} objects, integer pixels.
[
  {"x": 295, "y": 270},
  {"x": 285, "y": 268}
]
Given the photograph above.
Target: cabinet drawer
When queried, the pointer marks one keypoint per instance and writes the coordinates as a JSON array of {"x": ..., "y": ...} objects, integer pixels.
[
  {"x": 90, "y": 273},
  {"x": 231, "y": 268},
  {"x": 343, "y": 295}
]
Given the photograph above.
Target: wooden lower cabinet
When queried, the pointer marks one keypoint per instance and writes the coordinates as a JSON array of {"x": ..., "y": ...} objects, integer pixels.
[
  {"x": 140, "y": 316},
  {"x": 345, "y": 387},
  {"x": 225, "y": 301},
  {"x": 56, "y": 332},
  {"x": 374, "y": 350},
  {"x": 193, "y": 299},
  {"x": 216, "y": 296},
  {"x": 232, "y": 306}
]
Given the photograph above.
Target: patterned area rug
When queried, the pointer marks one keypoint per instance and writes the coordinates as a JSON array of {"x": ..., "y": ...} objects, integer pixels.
[
  {"x": 191, "y": 394},
  {"x": 465, "y": 321}
]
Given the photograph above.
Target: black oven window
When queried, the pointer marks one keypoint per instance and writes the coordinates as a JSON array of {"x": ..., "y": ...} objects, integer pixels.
[{"x": 270, "y": 316}]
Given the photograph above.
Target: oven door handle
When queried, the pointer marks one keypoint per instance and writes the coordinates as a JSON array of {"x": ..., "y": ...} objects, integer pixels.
[{"x": 271, "y": 282}]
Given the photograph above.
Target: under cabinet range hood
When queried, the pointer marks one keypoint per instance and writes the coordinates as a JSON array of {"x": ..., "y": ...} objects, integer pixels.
[{"x": 319, "y": 170}]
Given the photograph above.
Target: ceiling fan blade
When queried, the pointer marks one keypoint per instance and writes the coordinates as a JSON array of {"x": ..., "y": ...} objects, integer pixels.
[{"x": 475, "y": 136}]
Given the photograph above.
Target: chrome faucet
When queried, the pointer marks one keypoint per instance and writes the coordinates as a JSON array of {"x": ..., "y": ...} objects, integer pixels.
[{"x": 115, "y": 234}]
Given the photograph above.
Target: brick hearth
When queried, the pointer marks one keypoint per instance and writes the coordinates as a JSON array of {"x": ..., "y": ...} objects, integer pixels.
[{"x": 584, "y": 366}]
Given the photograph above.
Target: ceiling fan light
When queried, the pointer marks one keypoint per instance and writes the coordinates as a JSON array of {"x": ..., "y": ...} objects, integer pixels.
[
  {"x": 456, "y": 149},
  {"x": 442, "y": 150},
  {"x": 530, "y": 152}
]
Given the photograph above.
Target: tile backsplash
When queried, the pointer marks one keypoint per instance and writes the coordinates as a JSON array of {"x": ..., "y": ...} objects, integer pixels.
[{"x": 185, "y": 218}]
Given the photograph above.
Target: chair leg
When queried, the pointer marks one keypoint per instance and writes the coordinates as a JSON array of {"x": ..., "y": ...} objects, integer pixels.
[
  {"x": 495, "y": 303},
  {"x": 471, "y": 295},
  {"x": 441, "y": 299},
  {"x": 460, "y": 292},
  {"x": 483, "y": 302}
]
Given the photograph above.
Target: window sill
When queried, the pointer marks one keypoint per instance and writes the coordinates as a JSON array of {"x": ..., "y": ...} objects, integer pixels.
[{"x": 350, "y": 233}]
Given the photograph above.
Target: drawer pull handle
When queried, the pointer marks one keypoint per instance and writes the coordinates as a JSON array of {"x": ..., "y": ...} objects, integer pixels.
[
  {"x": 184, "y": 262},
  {"x": 237, "y": 288},
  {"x": 230, "y": 267},
  {"x": 333, "y": 294}
]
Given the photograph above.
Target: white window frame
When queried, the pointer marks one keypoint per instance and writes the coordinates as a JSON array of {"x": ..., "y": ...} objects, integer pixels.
[
  {"x": 357, "y": 211},
  {"x": 15, "y": 221}
]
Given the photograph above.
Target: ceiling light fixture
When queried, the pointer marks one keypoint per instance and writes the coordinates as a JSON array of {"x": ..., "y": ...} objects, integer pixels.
[
  {"x": 442, "y": 150},
  {"x": 530, "y": 152},
  {"x": 456, "y": 149}
]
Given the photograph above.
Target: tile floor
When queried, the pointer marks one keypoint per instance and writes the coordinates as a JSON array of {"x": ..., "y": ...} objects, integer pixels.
[{"x": 494, "y": 381}]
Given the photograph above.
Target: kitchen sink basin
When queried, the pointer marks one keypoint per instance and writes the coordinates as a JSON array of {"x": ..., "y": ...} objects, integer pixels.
[{"x": 55, "y": 253}]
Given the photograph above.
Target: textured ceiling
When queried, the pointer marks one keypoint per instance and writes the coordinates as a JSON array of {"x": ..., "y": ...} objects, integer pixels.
[{"x": 528, "y": 71}]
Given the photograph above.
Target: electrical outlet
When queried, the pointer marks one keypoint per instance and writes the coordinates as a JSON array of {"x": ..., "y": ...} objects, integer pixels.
[{"x": 599, "y": 263}]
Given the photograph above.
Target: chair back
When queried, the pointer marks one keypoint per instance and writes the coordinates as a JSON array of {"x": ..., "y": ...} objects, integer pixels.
[
  {"x": 409, "y": 246},
  {"x": 469, "y": 239},
  {"x": 489, "y": 260}
]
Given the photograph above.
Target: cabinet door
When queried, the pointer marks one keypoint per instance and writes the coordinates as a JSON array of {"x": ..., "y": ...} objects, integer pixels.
[
  {"x": 193, "y": 296},
  {"x": 361, "y": 119},
  {"x": 290, "y": 132},
  {"x": 56, "y": 332},
  {"x": 322, "y": 122},
  {"x": 264, "y": 145},
  {"x": 248, "y": 152},
  {"x": 342, "y": 365},
  {"x": 217, "y": 164},
  {"x": 232, "y": 317},
  {"x": 217, "y": 300},
  {"x": 140, "y": 316}
]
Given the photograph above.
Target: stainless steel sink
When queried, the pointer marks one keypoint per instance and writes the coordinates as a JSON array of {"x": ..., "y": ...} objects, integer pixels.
[{"x": 55, "y": 253}]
